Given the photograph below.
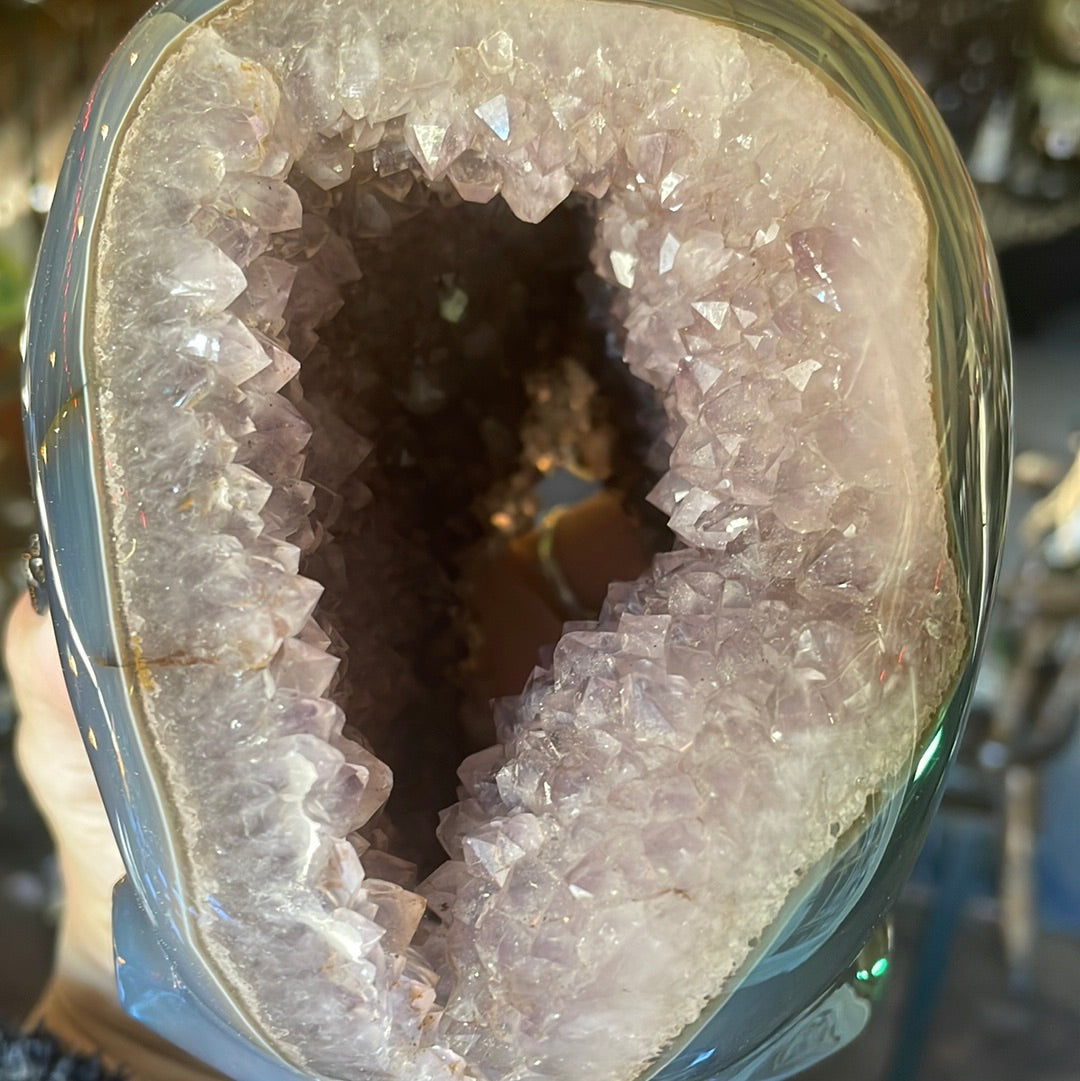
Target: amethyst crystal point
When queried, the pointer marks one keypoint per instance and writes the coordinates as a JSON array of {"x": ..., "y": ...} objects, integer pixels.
[{"x": 355, "y": 266}]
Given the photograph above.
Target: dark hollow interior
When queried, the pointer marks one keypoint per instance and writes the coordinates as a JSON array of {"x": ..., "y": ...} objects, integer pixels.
[{"x": 475, "y": 354}]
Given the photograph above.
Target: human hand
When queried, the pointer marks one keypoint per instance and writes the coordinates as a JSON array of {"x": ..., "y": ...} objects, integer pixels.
[{"x": 80, "y": 1005}]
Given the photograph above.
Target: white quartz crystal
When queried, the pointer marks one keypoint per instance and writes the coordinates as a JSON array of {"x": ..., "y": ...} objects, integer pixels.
[{"x": 665, "y": 784}]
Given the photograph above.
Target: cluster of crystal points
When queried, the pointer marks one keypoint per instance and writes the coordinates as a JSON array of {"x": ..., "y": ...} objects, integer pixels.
[{"x": 665, "y": 784}]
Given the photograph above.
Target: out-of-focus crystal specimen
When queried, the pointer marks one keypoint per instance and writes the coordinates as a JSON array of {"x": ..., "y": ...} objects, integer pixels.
[{"x": 668, "y": 781}]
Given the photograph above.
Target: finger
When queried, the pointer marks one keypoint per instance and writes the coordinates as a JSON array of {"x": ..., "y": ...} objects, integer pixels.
[
  {"x": 33, "y": 664},
  {"x": 48, "y": 747},
  {"x": 53, "y": 761}
]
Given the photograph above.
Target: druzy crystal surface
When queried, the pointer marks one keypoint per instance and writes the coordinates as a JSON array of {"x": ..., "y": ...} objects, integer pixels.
[{"x": 666, "y": 782}]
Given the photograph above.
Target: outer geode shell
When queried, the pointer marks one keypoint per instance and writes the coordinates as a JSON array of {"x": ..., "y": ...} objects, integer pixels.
[{"x": 708, "y": 797}]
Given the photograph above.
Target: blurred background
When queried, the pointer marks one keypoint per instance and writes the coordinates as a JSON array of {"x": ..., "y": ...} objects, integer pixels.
[{"x": 983, "y": 980}]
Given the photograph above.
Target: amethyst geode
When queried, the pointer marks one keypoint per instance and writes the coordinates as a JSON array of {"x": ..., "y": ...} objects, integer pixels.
[{"x": 755, "y": 257}]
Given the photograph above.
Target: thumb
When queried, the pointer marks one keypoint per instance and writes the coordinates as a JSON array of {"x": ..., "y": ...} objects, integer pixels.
[{"x": 52, "y": 759}]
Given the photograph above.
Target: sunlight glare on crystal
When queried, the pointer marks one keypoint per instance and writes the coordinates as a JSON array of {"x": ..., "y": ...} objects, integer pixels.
[
  {"x": 495, "y": 114},
  {"x": 668, "y": 250},
  {"x": 623, "y": 265},
  {"x": 713, "y": 312}
]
